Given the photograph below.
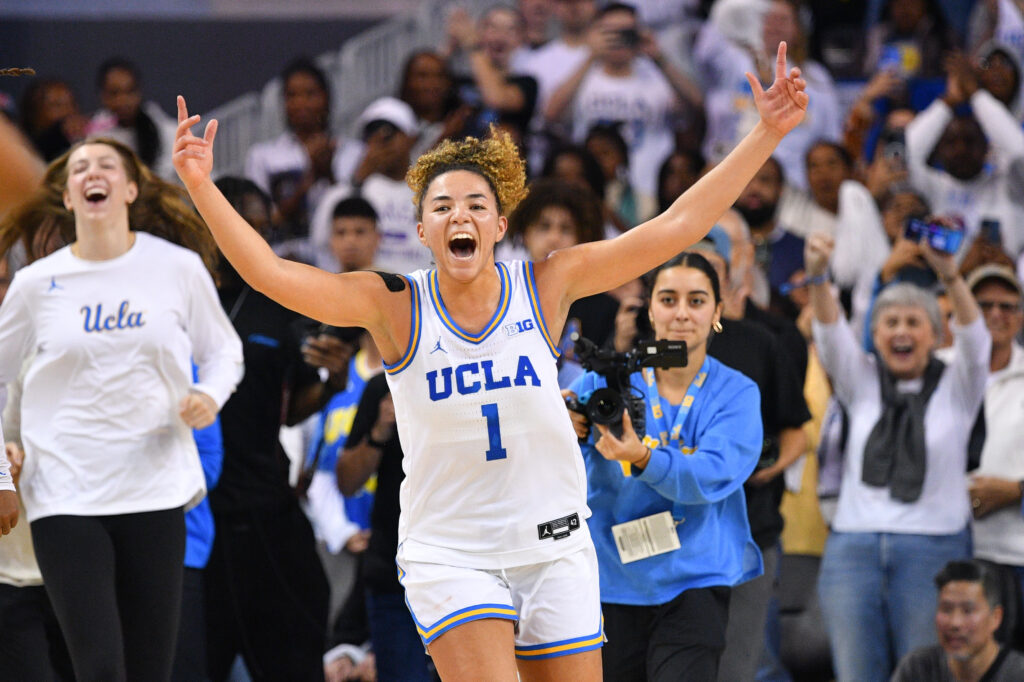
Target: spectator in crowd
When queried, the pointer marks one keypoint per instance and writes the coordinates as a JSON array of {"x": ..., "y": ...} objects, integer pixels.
[
  {"x": 556, "y": 215},
  {"x": 124, "y": 116},
  {"x": 553, "y": 64},
  {"x": 911, "y": 39},
  {"x": 753, "y": 348},
  {"x": 722, "y": 62},
  {"x": 778, "y": 252},
  {"x": 966, "y": 186},
  {"x": 266, "y": 594},
  {"x": 903, "y": 509},
  {"x": 606, "y": 144},
  {"x": 493, "y": 92},
  {"x": 577, "y": 166},
  {"x": 626, "y": 79},
  {"x": 665, "y": 611},
  {"x": 298, "y": 166},
  {"x": 877, "y": 254},
  {"x": 342, "y": 523},
  {"x": 968, "y": 612},
  {"x": 428, "y": 87},
  {"x": 373, "y": 451},
  {"x": 678, "y": 172},
  {"x": 995, "y": 486},
  {"x": 535, "y": 14},
  {"x": 50, "y": 117},
  {"x": 388, "y": 125},
  {"x": 999, "y": 71},
  {"x": 109, "y": 401}
]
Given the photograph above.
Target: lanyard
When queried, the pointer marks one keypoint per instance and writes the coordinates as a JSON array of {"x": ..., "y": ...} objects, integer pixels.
[{"x": 671, "y": 435}]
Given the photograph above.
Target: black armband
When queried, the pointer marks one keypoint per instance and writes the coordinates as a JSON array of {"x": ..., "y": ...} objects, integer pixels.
[{"x": 393, "y": 282}]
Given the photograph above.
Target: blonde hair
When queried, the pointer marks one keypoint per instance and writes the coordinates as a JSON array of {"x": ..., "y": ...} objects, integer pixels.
[
  {"x": 161, "y": 209},
  {"x": 496, "y": 159}
]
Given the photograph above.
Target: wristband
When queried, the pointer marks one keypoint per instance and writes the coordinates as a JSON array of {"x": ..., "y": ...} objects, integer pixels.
[{"x": 787, "y": 287}]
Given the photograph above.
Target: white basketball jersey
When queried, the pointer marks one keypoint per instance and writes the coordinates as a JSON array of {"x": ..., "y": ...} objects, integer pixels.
[{"x": 494, "y": 477}]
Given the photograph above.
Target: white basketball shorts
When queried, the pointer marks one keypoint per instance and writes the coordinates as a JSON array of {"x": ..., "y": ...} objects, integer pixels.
[{"x": 555, "y": 605}]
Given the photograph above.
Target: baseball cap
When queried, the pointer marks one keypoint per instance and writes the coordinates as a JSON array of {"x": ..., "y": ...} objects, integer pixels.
[
  {"x": 993, "y": 271},
  {"x": 389, "y": 109}
]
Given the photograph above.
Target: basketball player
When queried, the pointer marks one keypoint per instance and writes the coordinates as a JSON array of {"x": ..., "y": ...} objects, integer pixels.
[{"x": 494, "y": 553}]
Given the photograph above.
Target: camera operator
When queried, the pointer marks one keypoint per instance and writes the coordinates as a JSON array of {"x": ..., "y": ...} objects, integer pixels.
[{"x": 665, "y": 609}]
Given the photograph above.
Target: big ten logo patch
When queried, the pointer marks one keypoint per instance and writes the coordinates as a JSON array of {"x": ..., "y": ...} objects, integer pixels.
[{"x": 514, "y": 328}]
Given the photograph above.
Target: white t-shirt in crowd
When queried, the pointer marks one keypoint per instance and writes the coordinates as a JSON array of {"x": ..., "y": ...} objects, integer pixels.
[
  {"x": 400, "y": 250},
  {"x": 114, "y": 342},
  {"x": 986, "y": 196},
  {"x": 942, "y": 508},
  {"x": 731, "y": 113},
  {"x": 999, "y": 536},
  {"x": 643, "y": 101}
]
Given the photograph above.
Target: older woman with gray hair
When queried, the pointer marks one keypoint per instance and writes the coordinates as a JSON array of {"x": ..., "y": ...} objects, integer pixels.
[{"x": 903, "y": 510}]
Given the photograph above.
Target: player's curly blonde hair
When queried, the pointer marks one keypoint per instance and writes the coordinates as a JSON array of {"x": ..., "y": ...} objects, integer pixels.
[{"x": 496, "y": 159}]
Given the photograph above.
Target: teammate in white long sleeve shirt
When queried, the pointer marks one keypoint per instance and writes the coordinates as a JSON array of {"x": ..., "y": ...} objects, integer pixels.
[{"x": 115, "y": 320}]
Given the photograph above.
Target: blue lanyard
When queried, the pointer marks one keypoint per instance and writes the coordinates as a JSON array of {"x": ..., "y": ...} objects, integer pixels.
[{"x": 671, "y": 435}]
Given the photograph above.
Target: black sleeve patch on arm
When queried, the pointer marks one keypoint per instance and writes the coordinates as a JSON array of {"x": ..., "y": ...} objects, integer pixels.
[{"x": 393, "y": 282}]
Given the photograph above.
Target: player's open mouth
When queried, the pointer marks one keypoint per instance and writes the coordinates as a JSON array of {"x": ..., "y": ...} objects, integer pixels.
[{"x": 462, "y": 245}]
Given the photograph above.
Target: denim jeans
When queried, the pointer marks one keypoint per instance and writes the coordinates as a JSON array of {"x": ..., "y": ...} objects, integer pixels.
[
  {"x": 878, "y": 597},
  {"x": 396, "y": 644}
]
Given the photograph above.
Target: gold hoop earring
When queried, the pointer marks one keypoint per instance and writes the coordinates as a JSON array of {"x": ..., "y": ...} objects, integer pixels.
[{"x": 717, "y": 327}]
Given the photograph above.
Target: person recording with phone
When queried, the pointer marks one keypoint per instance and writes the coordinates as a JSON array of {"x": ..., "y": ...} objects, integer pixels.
[
  {"x": 974, "y": 152},
  {"x": 903, "y": 508},
  {"x": 678, "y": 481},
  {"x": 626, "y": 79}
]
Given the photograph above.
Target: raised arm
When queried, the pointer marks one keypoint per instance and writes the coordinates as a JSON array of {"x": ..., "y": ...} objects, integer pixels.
[
  {"x": 599, "y": 266},
  {"x": 358, "y": 299}
]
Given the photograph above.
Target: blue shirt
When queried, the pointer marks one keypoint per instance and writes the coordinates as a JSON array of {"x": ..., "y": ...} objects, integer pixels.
[
  {"x": 199, "y": 529},
  {"x": 332, "y": 433},
  {"x": 696, "y": 472}
]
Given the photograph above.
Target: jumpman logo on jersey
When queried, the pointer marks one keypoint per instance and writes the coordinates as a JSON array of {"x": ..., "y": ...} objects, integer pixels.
[
  {"x": 54, "y": 285},
  {"x": 437, "y": 347}
]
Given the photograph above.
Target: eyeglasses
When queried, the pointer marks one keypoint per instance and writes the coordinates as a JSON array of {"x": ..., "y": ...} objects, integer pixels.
[{"x": 1002, "y": 306}]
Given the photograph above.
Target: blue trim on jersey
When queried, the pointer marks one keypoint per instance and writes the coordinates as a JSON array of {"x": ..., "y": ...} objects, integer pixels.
[
  {"x": 466, "y": 615},
  {"x": 536, "y": 652},
  {"x": 503, "y": 302},
  {"x": 414, "y": 332},
  {"x": 531, "y": 287}
]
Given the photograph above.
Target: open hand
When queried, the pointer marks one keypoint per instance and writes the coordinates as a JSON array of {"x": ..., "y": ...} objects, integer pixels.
[
  {"x": 192, "y": 156},
  {"x": 783, "y": 105},
  {"x": 989, "y": 494}
]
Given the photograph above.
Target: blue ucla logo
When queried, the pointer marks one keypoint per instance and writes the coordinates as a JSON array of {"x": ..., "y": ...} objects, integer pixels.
[
  {"x": 468, "y": 378},
  {"x": 124, "y": 319}
]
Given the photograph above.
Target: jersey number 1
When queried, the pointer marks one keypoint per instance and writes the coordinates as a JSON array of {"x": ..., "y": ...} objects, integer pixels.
[{"x": 495, "y": 451}]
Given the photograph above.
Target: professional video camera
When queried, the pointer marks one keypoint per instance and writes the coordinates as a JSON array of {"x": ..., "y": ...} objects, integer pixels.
[{"x": 605, "y": 405}]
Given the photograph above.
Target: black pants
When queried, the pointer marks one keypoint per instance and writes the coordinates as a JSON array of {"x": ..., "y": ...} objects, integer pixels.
[
  {"x": 190, "y": 653},
  {"x": 680, "y": 640},
  {"x": 31, "y": 646},
  {"x": 115, "y": 585},
  {"x": 266, "y": 597}
]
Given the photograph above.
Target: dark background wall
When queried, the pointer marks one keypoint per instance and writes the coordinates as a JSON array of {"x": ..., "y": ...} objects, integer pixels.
[{"x": 209, "y": 62}]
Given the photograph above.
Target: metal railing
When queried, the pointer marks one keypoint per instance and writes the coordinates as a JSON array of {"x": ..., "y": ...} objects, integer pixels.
[{"x": 366, "y": 67}]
